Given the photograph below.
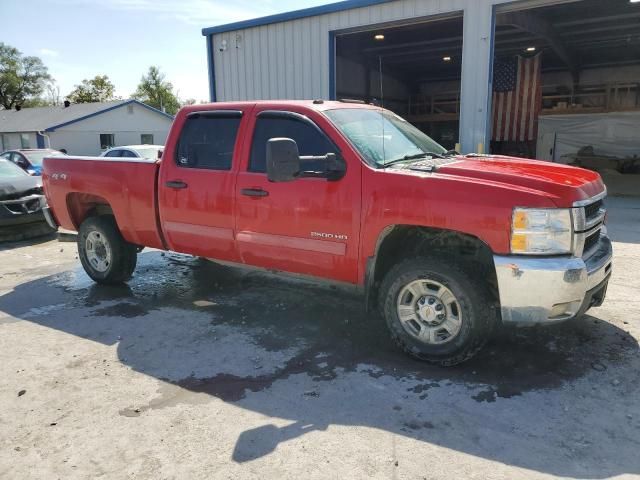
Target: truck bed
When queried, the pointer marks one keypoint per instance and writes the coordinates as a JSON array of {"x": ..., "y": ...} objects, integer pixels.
[{"x": 127, "y": 186}]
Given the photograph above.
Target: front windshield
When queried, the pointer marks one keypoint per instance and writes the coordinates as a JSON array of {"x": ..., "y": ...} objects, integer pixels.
[
  {"x": 10, "y": 170},
  {"x": 36, "y": 157},
  {"x": 383, "y": 137}
]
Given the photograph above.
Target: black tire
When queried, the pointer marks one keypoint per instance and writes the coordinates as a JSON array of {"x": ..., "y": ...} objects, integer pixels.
[
  {"x": 123, "y": 254},
  {"x": 478, "y": 313}
]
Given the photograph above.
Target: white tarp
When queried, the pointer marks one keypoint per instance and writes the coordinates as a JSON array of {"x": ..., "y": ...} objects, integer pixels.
[{"x": 614, "y": 134}]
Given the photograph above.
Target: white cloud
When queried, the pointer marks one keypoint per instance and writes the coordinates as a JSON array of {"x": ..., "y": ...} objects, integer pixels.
[
  {"x": 46, "y": 52},
  {"x": 193, "y": 12}
]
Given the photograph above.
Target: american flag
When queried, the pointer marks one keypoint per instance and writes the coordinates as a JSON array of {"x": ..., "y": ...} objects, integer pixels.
[{"x": 517, "y": 99}]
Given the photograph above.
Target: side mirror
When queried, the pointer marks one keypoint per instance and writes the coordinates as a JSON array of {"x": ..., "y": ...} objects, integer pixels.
[
  {"x": 283, "y": 160},
  {"x": 335, "y": 167}
]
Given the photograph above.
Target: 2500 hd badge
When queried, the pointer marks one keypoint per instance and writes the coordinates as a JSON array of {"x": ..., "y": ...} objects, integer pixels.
[{"x": 329, "y": 236}]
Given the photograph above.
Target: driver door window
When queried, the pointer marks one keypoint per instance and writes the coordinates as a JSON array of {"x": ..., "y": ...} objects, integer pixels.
[{"x": 311, "y": 142}]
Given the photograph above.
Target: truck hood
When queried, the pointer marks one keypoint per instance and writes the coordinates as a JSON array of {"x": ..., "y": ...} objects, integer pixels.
[
  {"x": 14, "y": 188},
  {"x": 563, "y": 184}
]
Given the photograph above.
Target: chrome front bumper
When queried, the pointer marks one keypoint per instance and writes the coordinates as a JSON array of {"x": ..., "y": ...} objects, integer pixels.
[
  {"x": 48, "y": 216},
  {"x": 552, "y": 289}
]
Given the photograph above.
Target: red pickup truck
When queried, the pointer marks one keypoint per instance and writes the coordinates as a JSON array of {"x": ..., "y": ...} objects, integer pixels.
[{"x": 448, "y": 246}]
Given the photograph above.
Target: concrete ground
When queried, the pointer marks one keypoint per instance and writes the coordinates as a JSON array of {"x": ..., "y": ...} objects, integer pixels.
[{"x": 197, "y": 371}]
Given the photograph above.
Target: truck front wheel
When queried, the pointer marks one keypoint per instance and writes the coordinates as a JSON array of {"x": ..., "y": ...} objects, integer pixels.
[
  {"x": 436, "y": 312},
  {"x": 105, "y": 255}
]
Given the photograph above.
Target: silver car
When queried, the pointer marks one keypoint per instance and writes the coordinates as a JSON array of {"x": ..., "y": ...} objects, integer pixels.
[{"x": 152, "y": 152}]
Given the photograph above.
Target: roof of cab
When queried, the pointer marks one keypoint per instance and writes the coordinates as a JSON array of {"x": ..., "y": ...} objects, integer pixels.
[{"x": 318, "y": 105}]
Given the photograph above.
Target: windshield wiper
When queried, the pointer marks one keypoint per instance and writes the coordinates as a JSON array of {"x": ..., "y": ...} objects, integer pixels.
[{"x": 416, "y": 156}]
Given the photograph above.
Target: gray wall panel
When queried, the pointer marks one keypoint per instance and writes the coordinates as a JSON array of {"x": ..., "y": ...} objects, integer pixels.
[{"x": 290, "y": 60}]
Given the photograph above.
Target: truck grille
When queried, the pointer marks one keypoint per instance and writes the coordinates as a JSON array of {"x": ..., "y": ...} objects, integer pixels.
[
  {"x": 592, "y": 211},
  {"x": 19, "y": 195},
  {"x": 591, "y": 241}
]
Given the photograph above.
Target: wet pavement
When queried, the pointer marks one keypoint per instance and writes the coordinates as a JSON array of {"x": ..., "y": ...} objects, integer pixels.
[{"x": 197, "y": 370}]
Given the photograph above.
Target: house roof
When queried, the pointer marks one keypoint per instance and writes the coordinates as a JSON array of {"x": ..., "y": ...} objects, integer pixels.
[
  {"x": 294, "y": 15},
  {"x": 40, "y": 119}
]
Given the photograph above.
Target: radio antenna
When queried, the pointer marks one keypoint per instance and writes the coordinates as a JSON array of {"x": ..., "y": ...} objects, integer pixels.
[{"x": 384, "y": 155}]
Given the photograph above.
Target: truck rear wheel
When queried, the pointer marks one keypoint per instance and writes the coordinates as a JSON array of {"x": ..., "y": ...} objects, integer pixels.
[
  {"x": 436, "y": 312},
  {"x": 105, "y": 255}
]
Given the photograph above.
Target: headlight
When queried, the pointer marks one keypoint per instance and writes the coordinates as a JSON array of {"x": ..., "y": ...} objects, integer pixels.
[{"x": 541, "y": 231}]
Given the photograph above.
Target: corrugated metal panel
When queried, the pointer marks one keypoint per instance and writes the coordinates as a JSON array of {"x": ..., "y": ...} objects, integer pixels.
[{"x": 290, "y": 60}]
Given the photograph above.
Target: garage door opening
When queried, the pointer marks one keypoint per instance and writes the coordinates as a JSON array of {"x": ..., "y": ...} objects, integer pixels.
[
  {"x": 566, "y": 84},
  {"x": 413, "y": 70}
]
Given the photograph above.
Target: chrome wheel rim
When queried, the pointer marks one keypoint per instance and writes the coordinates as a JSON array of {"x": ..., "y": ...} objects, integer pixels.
[
  {"x": 98, "y": 251},
  {"x": 429, "y": 312}
]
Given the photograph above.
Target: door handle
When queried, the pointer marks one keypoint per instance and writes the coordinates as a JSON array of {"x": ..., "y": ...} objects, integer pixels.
[
  {"x": 177, "y": 184},
  {"x": 254, "y": 192}
]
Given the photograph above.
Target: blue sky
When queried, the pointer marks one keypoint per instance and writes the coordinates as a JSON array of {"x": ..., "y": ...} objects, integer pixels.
[{"x": 80, "y": 39}]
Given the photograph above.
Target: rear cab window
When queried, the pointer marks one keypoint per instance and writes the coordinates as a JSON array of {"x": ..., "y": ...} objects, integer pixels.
[
  {"x": 311, "y": 140},
  {"x": 207, "y": 140}
]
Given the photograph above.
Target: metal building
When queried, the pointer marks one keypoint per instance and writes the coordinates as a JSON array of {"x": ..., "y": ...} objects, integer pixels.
[{"x": 297, "y": 55}]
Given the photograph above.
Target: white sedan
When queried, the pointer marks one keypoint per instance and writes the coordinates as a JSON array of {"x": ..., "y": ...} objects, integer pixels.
[{"x": 152, "y": 152}]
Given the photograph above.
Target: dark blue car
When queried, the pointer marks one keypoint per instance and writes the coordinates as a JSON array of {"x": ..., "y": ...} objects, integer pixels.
[{"x": 30, "y": 159}]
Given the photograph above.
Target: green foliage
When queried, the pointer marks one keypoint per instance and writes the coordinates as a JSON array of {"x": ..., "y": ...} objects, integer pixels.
[
  {"x": 156, "y": 92},
  {"x": 50, "y": 97},
  {"x": 21, "y": 78},
  {"x": 36, "y": 102},
  {"x": 98, "y": 89}
]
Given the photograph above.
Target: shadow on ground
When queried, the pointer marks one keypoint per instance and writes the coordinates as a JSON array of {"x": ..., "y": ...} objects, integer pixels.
[
  {"x": 25, "y": 234},
  {"x": 291, "y": 349}
]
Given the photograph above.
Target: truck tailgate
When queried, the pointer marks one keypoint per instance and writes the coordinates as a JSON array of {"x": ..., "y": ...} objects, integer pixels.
[{"x": 75, "y": 185}]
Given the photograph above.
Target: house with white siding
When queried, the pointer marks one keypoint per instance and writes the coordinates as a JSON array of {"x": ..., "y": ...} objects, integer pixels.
[{"x": 84, "y": 128}]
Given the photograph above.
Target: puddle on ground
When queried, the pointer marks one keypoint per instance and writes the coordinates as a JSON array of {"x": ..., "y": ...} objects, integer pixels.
[{"x": 328, "y": 324}]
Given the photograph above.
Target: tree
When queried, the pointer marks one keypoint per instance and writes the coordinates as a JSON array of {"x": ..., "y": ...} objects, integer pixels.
[
  {"x": 98, "y": 89},
  {"x": 50, "y": 97},
  {"x": 36, "y": 102},
  {"x": 189, "y": 101},
  {"x": 53, "y": 93},
  {"x": 156, "y": 92},
  {"x": 21, "y": 77}
]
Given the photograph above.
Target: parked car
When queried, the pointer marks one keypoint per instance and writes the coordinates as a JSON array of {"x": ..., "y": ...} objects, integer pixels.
[
  {"x": 135, "y": 151},
  {"x": 21, "y": 197},
  {"x": 30, "y": 159},
  {"x": 448, "y": 246}
]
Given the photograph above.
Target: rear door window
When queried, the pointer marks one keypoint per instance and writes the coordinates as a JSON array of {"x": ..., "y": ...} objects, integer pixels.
[{"x": 208, "y": 139}]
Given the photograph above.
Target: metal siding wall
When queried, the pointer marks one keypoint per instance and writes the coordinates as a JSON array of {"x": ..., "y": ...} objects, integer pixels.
[
  {"x": 290, "y": 60},
  {"x": 476, "y": 68}
]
